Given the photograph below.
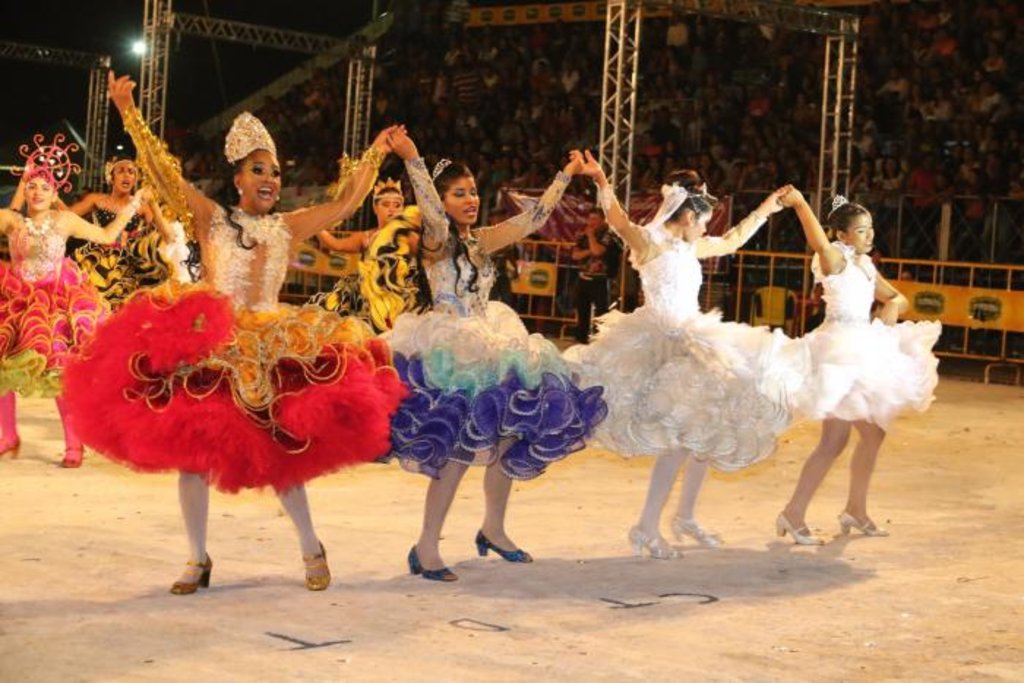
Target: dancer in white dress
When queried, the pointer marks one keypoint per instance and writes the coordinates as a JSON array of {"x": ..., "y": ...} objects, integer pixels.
[
  {"x": 681, "y": 384},
  {"x": 864, "y": 371}
]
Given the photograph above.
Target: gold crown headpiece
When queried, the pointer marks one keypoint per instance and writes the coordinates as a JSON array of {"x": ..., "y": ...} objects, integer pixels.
[
  {"x": 247, "y": 134},
  {"x": 385, "y": 186}
]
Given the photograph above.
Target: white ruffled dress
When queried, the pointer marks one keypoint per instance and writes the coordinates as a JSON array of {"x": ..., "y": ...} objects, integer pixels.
[
  {"x": 862, "y": 368},
  {"x": 679, "y": 380}
]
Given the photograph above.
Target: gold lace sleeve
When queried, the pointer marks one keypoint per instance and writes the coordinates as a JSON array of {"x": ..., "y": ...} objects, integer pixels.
[
  {"x": 350, "y": 170},
  {"x": 160, "y": 168}
]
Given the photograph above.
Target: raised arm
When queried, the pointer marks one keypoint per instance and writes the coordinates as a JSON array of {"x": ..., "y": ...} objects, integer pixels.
[
  {"x": 495, "y": 238},
  {"x": 350, "y": 191},
  {"x": 159, "y": 167},
  {"x": 85, "y": 205},
  {"x": 830, "y": 258},
  {"x": 75, "y": 226},
  {"x": 738, "y": 235},
  {"x": 618, "y": 220},
  {"x": 8, "y": 219},
  {"x": 350, "y": 244},
  {"x": 435, "y": 222}
]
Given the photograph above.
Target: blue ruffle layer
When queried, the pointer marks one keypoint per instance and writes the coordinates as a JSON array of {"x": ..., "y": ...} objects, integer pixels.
[{"x": 544, "y": 424}]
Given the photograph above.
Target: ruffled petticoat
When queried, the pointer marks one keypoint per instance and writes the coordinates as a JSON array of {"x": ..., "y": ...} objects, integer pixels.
[
  {"x": 871, "y": 371},
  {"x": 179, "y": 380},
  {"x": 722, "y": 391},
  {"x": 484, "y": 389},
  {"x": 118, "y": 271},
  {"x": 41, "y": 324}
]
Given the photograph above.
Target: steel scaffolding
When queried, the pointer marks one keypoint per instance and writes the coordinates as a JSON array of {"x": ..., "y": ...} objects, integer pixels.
[
  {"x": 96, "y": 118},
  {"x": 621, "y": 59},
  {"x": 156, "y": 31},
  {"x": 618, "y": 93}
]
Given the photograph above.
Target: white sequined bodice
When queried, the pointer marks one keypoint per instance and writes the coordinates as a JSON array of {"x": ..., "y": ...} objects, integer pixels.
[
  {"x": 37, "y": 249},
  {"x": 251, "y": 277},
  {"x": 451, "y": 290},
  {"x": 849, "y": 294},
  {"x": 672, "y": 282}
]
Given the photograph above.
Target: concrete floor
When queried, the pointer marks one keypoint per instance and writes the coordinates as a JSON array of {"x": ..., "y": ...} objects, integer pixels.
[{"x": 87, "y": 558}]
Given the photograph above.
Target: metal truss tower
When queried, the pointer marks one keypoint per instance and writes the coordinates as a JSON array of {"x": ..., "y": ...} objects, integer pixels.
[
  {"x": 618, "y": 93},
  {"x": 97, "y": 108},
  {"x": 157, "y": 19}
]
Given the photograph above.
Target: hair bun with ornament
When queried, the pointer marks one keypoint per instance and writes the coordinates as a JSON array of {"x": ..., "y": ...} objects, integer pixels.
[{"x": 51, "y": 162}]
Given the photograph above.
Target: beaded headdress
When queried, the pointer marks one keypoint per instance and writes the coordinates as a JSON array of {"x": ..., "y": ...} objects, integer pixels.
[
  {"x": 439, "y": 168},
  {"x": 52, "y": 161},
  {"x": 247, "y": 134},
  {"x": 839, "y": 200},
  {"x": 108, "y": 168},
  {"x": 387, "y": 186}
]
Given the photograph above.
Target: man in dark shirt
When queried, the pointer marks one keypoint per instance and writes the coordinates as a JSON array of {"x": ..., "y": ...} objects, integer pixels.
[{"x": 597, "y": 252}]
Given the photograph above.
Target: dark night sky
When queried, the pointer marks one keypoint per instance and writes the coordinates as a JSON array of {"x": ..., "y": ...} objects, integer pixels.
[{"x": 41, "y": 97}]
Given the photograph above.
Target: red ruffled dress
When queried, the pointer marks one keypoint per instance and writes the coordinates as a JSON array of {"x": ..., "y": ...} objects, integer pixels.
[{"x": 222, "y": 379}]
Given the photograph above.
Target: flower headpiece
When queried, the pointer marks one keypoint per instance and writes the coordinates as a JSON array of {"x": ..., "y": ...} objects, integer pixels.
[
  {"x": 387, "y": 186},
  {"x": 247, "y": 134},
  {"x": 672, "y": 197},
  {"x": 108, "y": 168},
  {"x": 439, "y": 168},
  {"x": 52, "y": 162}
]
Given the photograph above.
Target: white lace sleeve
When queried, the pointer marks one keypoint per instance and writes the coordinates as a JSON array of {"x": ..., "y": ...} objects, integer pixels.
[
  {"x": 497, "y": 237},
  {"x": 435, "y": 221}
]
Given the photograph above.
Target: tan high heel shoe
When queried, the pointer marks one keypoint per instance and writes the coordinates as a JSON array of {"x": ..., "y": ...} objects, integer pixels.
[
  {"x": 801, "y": 536},
  {"x": 867, "y": 527},
  {"x": 657, "y": 547},
  {"x": 10, "y": 447},
  {"x": 688, "y": 527},
  {"x": 198, "y": 572},
  {"x": 318, "y": 574}
]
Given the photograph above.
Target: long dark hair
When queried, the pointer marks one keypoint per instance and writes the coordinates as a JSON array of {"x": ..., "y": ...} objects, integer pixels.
[
  {"x": 228, "y": 197},
  {"x": 442, "y": 182},
  {"x": 699, "y": 201}
]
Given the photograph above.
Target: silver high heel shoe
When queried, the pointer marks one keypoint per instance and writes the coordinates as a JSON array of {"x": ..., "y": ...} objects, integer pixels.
[
  {"x": 801, "y": 536},
  {"x": 656, "y": 545},
  {"x": 868, "y": 528},
  {"x": 689, "y": 527}
]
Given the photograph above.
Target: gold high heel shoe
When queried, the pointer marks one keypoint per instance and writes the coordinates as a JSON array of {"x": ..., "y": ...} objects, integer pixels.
[
  {"x": 318, "y": 574},
  {"x": 199, "y": 572},
  {"x": 656, "y": 545},
  {"x": 801, "y": 536},
  {"x": 868, "y": 528},
  {"x": 688, "y": 527}
]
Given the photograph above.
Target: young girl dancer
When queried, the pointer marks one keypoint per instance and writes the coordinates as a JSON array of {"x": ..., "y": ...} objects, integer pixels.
[
  {"x": 681, "y": 384},
  {"x": 864, "y": 371},
  {"x": 386, "y": 284},
  {"x": 484, "y": 390},
  {"x": 48, "y": 309},
  {"x": 223, "y": 383}
]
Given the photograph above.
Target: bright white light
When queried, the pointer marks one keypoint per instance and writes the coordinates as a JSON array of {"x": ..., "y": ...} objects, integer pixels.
[
  {"x": 139, "y": 47},
  {"x": 120, "y": 148}
]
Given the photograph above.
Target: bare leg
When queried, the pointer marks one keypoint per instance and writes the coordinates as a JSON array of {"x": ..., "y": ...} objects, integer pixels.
[
  {"x": 440, "y": 494},
  {"x": 194, "y": 496},
  {"x": 497, "y": 487},
  {"x": 862, "y": 467},
  {"x": 834, "y": 435},
  {"x": 663, "y": 478},
  {"x": 296, "y": 504},
  {"x": 684, "y": 522}
]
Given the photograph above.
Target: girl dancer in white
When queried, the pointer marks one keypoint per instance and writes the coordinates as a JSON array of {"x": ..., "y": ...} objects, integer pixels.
[
  {"x": 864, "y": 371},
  {"x": 681, "y": 384}
]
